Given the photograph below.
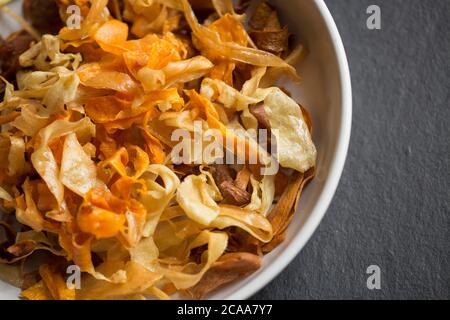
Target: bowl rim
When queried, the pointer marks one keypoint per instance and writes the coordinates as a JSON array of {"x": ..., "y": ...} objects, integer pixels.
[{"x": 338, "y": 162}]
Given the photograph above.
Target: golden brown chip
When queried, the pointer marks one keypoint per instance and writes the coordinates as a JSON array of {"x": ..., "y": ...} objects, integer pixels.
[
  {"x": 22, "y": 248},
  {"x": 43, "y": 15},
  {"x": 261, "y": 17},
  {"x": 56, "y": 284},
  {"x": 10, "y": 50},
  {"x": 260, "y": 114},
  {"x": 243, "y": 178},
  {"x": 228, "y": 268},
  {"x": 266, "y": 30},
  {"x": 283, "y": 212},
  {"x": 230, "y": 191},
  {"x": 275, "y": 41}
]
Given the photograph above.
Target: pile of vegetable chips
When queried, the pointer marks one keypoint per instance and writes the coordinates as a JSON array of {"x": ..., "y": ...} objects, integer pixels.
[{"x": 89, "y": 186}]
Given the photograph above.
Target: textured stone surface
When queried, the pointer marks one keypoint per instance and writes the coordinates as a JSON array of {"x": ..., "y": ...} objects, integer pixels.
[{"x": 392, "y": 207}]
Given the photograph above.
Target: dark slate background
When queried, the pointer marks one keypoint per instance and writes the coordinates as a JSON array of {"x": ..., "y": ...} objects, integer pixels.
[{"x": 392, "y": 207}]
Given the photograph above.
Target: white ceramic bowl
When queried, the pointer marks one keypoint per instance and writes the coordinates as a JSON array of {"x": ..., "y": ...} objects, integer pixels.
[{"x": 326, "y": 93}]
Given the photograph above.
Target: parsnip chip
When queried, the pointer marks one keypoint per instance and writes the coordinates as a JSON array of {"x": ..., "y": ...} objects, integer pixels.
[
  {"x": 295, "y": 147},
  {"x": 197, "y": 200},
  {"x": 78, "y": 172}
]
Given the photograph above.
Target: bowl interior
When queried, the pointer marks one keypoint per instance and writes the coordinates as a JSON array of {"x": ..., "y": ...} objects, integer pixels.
[{"x": 325, "y": 92}]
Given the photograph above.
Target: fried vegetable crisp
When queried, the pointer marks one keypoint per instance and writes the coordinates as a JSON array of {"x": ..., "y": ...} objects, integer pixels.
[{"x": 105, "y": 189}]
